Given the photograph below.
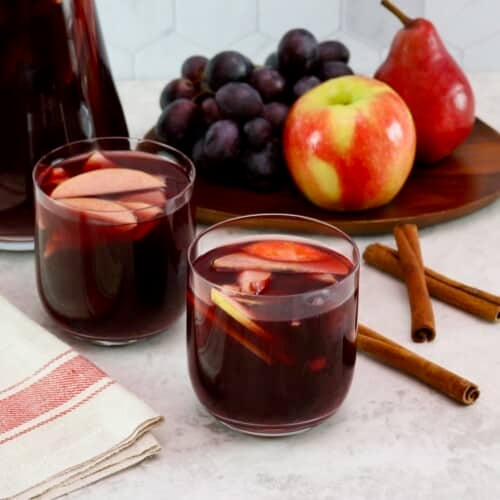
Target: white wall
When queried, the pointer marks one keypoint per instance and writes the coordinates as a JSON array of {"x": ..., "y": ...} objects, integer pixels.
[{"x": 149, "y": 39}]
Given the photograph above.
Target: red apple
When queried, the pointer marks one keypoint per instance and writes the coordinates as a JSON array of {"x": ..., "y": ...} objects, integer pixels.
[{"x": 349, "y": 143}]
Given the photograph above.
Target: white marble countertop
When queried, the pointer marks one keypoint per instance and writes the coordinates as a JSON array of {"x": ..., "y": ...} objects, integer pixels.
[{"x": 393, "y": 438}]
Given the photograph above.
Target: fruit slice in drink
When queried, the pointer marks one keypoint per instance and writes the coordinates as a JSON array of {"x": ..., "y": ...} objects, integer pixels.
[
  {"x": 105, "y": 182},
  {"x": 154, "y": 197},
  {"x": 54, "y": 176},
  {"x": 238, "y": 312},
  {"x": 118, "y": 221},
  {"x": 294, "y": 251},
  {"x": 106, "y": 212},
  {"x": 241, "y": 261},
  {"x": 202, "y": 309},
  {"x": 253, "y": 282},
  {"x": 284, "y": 250},
  {"x": 243, "y": 316},
  {"x": 106, "y": 194},
  {"x": 98, "y": 161},
  {"x": 325, "y": 278},
  {"x": 145, "y": 214}
]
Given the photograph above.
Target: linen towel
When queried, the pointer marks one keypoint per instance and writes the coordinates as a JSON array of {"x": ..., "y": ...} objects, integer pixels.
[{"x": 63, "y": 422}]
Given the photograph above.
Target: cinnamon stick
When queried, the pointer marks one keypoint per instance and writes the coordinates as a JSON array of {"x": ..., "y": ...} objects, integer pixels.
[
  {"x": 422, "y": 316},
  {"x": 466, "y": 298},
  {"x": 397, "y": 356},
  {"x": 411, "y": 233}
]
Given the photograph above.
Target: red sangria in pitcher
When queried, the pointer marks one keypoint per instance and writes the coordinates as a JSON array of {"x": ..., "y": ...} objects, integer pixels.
[{"x": 55, "y": 87}]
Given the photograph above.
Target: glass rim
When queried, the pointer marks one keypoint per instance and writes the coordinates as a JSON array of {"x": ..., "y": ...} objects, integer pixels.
[
  {"x": 239, "y": 218},
  {"x": 190, "y": 172}
]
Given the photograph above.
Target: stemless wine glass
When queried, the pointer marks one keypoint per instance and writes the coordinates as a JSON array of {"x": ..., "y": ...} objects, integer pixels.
[
  {"x": 271, "y": 321},
  {"x": 113, "y": 224}
]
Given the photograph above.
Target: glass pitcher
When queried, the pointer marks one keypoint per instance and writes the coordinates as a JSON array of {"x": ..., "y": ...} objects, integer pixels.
[{"x": 55, "y": 87}]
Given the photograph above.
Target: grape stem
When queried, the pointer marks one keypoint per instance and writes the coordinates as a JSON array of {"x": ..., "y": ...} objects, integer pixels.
[
  {"x": 202, "y": 93},
  {"x": 397, "y": 12}
]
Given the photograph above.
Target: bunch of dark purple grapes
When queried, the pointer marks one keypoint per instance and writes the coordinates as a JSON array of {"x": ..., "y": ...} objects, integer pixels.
[{"x": 227, "y": 114}]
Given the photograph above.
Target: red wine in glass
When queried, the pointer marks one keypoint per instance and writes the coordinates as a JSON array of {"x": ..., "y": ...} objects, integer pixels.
[
  {"x": 112, "y": 232},
  {"x": 271, "y": 333}
]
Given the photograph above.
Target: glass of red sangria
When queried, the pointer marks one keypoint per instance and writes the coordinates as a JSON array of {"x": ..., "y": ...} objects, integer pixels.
[
  {"x": 113, "y": 225},
  {"x": 271, "y": 321}
]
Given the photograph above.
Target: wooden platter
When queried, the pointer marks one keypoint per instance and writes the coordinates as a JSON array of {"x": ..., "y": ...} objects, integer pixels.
[{"x": 466, "y": 181}]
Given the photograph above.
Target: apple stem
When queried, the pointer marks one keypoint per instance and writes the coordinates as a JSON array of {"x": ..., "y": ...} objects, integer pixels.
[{"x": 397, "y": 12}]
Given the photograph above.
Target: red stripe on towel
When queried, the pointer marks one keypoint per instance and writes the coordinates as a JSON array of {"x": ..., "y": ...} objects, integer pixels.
[
  {"x": 60, "y": 414},
  {"x": 35, "y": 373},
  {"x": 48, "y": 393}
]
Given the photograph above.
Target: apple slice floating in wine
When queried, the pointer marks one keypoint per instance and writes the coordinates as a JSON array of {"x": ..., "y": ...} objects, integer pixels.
[
  {"x": 57, "y": 175},
  {"x": 143, "y": 211},
  {"x": 211, "y": 316},
  {"x": 102, "y": 211},
  {"x": 145, "y": 214},
  {"x": 253, "y": 282},
  {"x": 283, "y": 250},
  {"x": 154, "y": 198},
  {"x": 238, "y": 312},
  {"x": 240, "y": 261},
  {"x": 117, "y": 219},
  {"x": 242, "y": 315},
  {"x": 107, "y": 181},
  {"x": 97, "y": 161},
  {"x": 325, "y": 278}
]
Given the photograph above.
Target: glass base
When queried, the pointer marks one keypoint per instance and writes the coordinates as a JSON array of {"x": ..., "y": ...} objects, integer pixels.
[
  {"x": 260, "y": 433},
  {"x": 106, "y": 342},
  {"x": 17, "y": 244},
  {"x": 269, "y": 430},
  {"x": 110, "y": 343}
]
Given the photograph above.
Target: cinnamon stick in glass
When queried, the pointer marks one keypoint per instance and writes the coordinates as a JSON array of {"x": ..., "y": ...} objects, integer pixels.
[
  {"x": 397, "y": 356},
  {"x": 466, "y": 298},
  {"x": 422, "y": 315}
]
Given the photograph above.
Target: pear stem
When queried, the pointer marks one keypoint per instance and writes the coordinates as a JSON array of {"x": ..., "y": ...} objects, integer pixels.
[{"x": 397, "y": 12}]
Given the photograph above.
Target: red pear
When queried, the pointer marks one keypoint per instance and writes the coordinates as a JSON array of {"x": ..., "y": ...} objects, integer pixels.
[{"x": 432, "y": 84}]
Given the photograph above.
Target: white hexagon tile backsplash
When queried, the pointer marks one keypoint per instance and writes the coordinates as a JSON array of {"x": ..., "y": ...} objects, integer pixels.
[{"x": 149, "y": 39}]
